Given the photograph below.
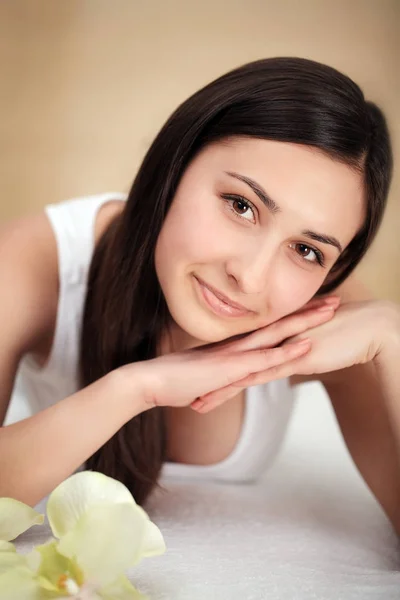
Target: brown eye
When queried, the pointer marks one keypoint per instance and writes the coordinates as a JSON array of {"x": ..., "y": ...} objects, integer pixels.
[
  {"x": 311, "y": 255},
  {"x": 240, "y": 207},
  {"x": 305, "y": 250}
]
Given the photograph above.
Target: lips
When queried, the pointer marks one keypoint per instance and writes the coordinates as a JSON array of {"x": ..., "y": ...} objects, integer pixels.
[{"x": 220, "y": 303}]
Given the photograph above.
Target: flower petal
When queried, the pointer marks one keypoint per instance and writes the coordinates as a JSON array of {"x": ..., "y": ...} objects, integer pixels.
[
  {"x": 106, "y": 541},
  {"x": 10, "y": 560},
  {"x": 54, "y": 565},
  {"x": 7, "y": 547},
  {"x": 16, "y": 517},
  {"x": 33, "y": 560},
  {"x": 121, "y": 589},
  {"x": 153, "y": 544},
  {"x": 74, "y": 496},
  {"x": 19, "y": 583}
]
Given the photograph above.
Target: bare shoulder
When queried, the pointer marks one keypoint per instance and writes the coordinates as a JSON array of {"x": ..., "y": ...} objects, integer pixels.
[
  {"x": 28, "y": 280},
  {"x": 354, "y": 290},
  {"x": 29, "y": 290},
  {"x": 28, "y": 294},
  {"x": 106, "y": 214},
  {"x": 351, "y": 290}
]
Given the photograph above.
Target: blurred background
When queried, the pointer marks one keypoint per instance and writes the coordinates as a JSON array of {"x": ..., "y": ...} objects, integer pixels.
[{"x": 87, "y": 84}]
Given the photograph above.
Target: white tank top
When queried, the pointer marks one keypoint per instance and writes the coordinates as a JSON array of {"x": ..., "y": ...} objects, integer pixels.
[{"x": 268, "y": 407}]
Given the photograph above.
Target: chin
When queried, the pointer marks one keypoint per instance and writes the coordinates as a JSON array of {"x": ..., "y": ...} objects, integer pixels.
[
  {"x": 202, "y": 329},
  {"x": 199, "y": 324}
]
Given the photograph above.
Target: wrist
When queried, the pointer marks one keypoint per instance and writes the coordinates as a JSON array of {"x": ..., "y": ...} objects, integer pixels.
[
  {"x": 127, "y": 386},
  {"x": 389, "y": 329},
  {"x": 387, "y": 358}
]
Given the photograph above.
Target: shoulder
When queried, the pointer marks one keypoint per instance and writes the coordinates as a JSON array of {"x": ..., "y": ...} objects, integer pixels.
[
  {"x": 106, "y": 214},
  {"x": 28, "y": 279},
  {"x": 351, "y": 290},
  {"x": 354, "y": 290}
]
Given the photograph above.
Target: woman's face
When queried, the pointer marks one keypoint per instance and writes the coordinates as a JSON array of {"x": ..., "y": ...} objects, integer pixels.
[{"x": 260, "y": 222}]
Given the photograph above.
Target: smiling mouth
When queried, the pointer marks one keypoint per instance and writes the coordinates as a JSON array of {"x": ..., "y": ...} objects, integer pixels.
[{"x": 218, "y": 302}]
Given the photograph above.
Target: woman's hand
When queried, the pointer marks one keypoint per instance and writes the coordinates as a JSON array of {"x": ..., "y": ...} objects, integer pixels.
[
  {"x": 179, "y": 378},
  {"x": 357, "y": 334}
]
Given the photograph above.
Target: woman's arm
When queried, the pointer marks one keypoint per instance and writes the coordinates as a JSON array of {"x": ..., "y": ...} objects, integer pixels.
[
  {"x": 366, "y": 401},
  {"x": 367, "y": 417},
  {"x": 387, "y": 365},
  {"x": 36, "y": 454}
]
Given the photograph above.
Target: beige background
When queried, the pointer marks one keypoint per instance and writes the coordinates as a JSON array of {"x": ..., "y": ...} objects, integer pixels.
[{"x": 86, "y": 84}]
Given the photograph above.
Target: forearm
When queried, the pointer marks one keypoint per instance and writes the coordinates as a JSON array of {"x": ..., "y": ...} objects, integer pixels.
[
  {"x": 387, "y": 365},
  {"x": 36, "y": 454}
]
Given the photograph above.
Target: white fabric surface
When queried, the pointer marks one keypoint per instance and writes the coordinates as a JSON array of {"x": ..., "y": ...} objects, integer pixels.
[{"x": 309, "y": 530}]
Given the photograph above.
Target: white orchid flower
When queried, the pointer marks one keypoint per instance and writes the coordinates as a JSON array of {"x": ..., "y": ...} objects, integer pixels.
[
  {"x": 100, "y": 532},
  {"x": 15, "y": 518}
]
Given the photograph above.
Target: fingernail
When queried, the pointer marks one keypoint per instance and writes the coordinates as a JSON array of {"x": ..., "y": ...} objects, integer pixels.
[
  {"x": 197, "y": 404},
  {"x": 326, "y": 308}
]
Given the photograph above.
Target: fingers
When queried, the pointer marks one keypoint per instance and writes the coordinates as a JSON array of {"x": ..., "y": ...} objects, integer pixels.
[
  {"x": 214, "y": 399},
  {"x": 289, "y": 326},
  {"x": 317, "y": 302},
  {"x": 210, "y": 401},
  {"x": 262, "y": 360},
  {"x": 259, "y": 338},
  {"x": 259, "y": 356}
]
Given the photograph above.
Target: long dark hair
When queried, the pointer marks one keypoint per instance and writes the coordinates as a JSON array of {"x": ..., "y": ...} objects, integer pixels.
[{"x": 284, "y": 99}]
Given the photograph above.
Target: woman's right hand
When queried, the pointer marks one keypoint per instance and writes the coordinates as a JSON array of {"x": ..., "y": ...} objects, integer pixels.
[{"x": 179, "y": 378}]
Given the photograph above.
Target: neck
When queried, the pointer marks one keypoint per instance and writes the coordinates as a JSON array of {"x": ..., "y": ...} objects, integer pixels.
[{"x": 175, "y": 339}]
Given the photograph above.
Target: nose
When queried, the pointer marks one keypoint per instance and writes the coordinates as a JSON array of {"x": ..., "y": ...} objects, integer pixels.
[{"x": 252, "y": 269}]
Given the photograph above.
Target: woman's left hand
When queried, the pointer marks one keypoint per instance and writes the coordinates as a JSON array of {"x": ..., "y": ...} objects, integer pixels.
[{"x": 358, "y": 333}]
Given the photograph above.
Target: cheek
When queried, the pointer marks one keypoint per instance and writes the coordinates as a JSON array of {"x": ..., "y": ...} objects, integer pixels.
[
  {"x": 292, "y": 288},
  {"x": 188, "y": 236}
]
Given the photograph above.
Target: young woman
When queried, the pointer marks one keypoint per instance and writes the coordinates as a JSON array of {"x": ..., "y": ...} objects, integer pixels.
[{"x": 166, "y": 329}]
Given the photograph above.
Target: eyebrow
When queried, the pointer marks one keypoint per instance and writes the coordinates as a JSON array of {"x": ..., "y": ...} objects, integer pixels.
[{"x": 274, "y": 208}]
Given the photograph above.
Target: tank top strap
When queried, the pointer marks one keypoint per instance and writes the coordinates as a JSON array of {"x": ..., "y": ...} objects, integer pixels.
[{"x": 73, "y": 223}]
